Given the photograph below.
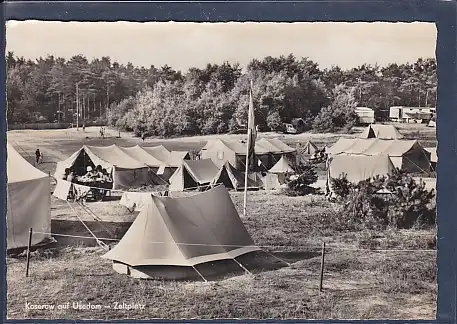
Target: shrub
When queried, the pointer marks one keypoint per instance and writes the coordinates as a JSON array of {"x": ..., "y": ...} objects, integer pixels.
[
  {"x": 341, "y": 186},
  {"x": 409, "y": 204},
  {"x": 300, "y": 186}
]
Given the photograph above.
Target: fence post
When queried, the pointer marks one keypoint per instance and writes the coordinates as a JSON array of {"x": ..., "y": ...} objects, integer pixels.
[
  {"x": 28, "y": 253},
  {"x": 322, "y": 267}
]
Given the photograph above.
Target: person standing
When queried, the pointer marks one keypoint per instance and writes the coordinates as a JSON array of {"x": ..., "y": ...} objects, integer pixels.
[{"x": 38, "y": 156}]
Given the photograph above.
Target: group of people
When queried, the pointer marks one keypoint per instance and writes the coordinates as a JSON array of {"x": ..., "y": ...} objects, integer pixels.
[{"x": 98, "y": 179}]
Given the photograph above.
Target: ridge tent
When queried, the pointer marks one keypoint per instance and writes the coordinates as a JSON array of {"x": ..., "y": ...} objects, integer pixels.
[
  {"x": 193, "y": 174},
  {"x": 126, "y": 171},
  {"x": 159, "y": 152},
  {"x": 433, "y": 156},
  {"x": 171, "y": 237},
  {"x": 387, "y": 132},
  {"x": 358, "y": 167},
  {"x": 177, "y": 156},
  {"x": 407, "y": 155},
  {"x": 233, "y": 179},
  {"x": 160, "y": 168},
  {"x": 221, "y": 151},
  {"x": 281, "y": 168},
  {"x": 309, "y": 148},
  {"x": 28, "y": 202}
]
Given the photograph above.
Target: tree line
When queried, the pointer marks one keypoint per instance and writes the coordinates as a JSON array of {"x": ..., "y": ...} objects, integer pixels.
[{"x": 164, "y": 102}]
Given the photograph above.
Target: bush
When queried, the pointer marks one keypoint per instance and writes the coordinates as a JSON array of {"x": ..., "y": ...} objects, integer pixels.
[
  {"x": 300, "y": 186},
  {"x": 409, "y": 204},
  {"x": 341, "y": 186}
]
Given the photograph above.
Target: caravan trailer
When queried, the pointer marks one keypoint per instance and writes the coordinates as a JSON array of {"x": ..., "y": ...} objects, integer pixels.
[
  {"x": 404, "y": 114},
  {"x": 365, "y": 115}
]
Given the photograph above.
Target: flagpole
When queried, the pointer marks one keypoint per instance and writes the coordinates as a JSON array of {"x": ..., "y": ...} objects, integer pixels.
[
  {"x": 246, "y": 173},
  {"x": 248, "y": 147}
]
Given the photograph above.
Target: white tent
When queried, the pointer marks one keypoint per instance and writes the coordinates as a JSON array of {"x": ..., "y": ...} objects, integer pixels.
[{"x": 28, "y": 202}]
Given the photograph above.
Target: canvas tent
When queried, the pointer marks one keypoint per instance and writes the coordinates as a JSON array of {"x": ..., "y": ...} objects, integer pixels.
[
  {"x": 28, "y": 202},
  {"x": 268, "y": 151},
  {"x": 161, "y": 168},
  {"x": 359, "y": 167},
  {"x": 159, "y": 152},
  {"x": 282, "y": 166},
  {"x": 309, "y": 148},
  {"x": 234, "y": 152},
  {"x": 407, "y": 155},
  {"x": 387, "y": 132},
  {"x": 171, "y": 237},
  {"x": 193, "y": 174},
  {"x": 176, "y": 157},
  {"x": 126, "y": 171},
  {"x": 233, "y": 179},
  {"x": 433, "y": 156}
]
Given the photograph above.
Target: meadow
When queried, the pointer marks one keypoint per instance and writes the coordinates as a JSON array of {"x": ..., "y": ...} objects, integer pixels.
[{"x": 387, "y": 274}]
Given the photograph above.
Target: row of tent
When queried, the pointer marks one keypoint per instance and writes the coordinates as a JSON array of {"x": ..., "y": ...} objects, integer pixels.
[{"x": 142, "y": 166}]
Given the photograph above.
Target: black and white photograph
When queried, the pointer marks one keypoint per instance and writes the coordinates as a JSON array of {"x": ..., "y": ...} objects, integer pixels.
[{"x": 181, "y": 170}]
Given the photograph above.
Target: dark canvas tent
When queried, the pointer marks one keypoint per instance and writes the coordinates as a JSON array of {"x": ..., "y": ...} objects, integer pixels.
[
  {"x": 28, "y": 202},
  {"x": 172, "y": 237},
  {"x": 388, "y": 132},
  {"x": 407, "y": 155},
  {"x": 233, "y": 179},
  {"x": 193, "y": 174},
  {"x": 126, "y": 171}
]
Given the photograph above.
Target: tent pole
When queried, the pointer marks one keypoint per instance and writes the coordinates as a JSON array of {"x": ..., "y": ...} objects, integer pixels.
[
  {"x": 199, "y": 274},
  {"x": 242, "y": 267},
  {"x": 246, "y": 173}
]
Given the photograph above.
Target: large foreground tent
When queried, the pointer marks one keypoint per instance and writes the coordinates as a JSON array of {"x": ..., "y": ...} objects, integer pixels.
[
  {"x": 172, "y": 237},
  {"x": 407, "y": 155},
  {"x": 126, "y": 171},
  {"x": 28, "y": 202},
  {"x": 193, "y": 174},
  {"x": 358, "y": 168},
  {"x": 234, "y": 179},
  {"x": 387, "y": 132}
]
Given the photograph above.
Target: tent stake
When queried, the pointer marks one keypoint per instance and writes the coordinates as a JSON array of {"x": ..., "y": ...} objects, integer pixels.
[
  {"x": 199, "y": 274},
  {"x": 28, "y": 253},
  {"x": 322, "y": 267},
  {"x": 242, "y": 266}
]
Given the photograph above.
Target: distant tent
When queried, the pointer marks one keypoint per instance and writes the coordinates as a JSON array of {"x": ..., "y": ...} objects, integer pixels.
[
  {"x": 126, "y": 171},
  {"x": 233, "y": 179},
  {"x": 431, "y": 123},
  {"x": 359, "y": 167},
  {"x": 234, "y": 152},
  {"x": 193, "y": 174},
  {"x": 387, "y": 132},
  {"x": 309, "y": 148},
  {"x": 159, "y": 167},
  {"x": 28, "y": 202},
  {"x": 282, "y": 166},
  {"x": 271, "y": 181},
  {"x": 159, "y": 152},
  {"x": 407, "y": 155},
  {"x": 172, "y": 238},
  {"x": 177, "y": 156},
  {"x": 268, "y": 151}
]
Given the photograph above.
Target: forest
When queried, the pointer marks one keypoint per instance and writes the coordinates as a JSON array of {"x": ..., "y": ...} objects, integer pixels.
[{"x": 160, "y": 101}]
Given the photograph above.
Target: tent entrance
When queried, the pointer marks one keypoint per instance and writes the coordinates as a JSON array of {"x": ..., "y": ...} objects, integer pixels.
[{"x": 81, "y": 163}]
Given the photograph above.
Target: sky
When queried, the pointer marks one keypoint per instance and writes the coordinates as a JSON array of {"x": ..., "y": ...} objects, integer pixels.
[{"x": 184, "y": 45}]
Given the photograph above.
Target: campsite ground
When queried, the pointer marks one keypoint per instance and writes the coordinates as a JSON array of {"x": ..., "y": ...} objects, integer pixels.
[{"x": 358, "y": 282}]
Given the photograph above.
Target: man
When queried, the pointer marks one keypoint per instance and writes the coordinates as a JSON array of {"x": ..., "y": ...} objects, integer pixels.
[{"x": 38, "y": 156}]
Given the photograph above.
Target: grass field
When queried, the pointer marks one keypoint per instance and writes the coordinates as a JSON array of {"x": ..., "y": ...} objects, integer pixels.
[{"x": 359, "y": 283}]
